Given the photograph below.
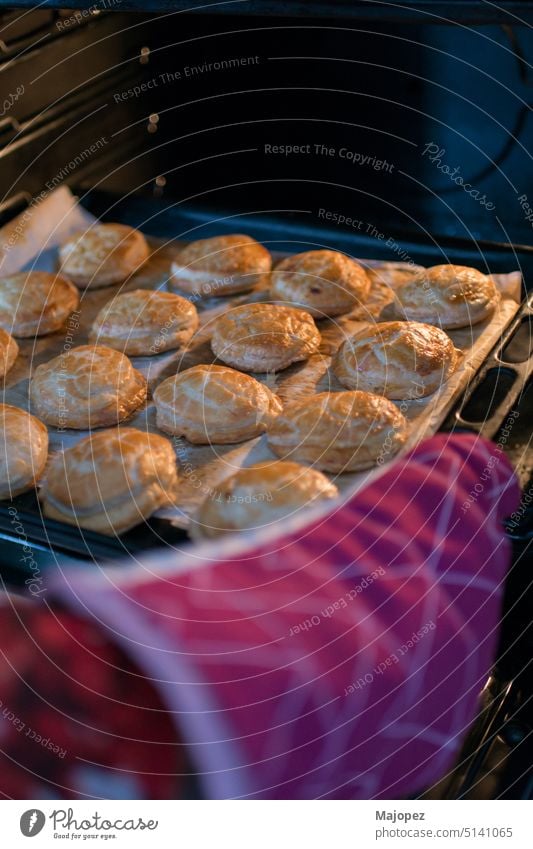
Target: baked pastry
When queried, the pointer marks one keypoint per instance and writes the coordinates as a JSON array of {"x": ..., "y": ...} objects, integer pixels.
[
  {"x": 220, "y": 266},
  {"x": 212, "y": 404},
  {"x": 103, "y": 255},
  {"x": 398, "y": 359},
  {"x": 258, "y": 496},
  {"x": 450, "y": 296},
  {"x": 89, "y": 386},
  {"x": 23, "y": 450},
  {"x": 8, "y": 352},
  {"x": 339, "y": 431},
  {"x": 325, "y": 283},
  {"x": 392, "y": 274},
  {"x": 264, "y": 337},
  {"x": 145, "y": 322},
  {"x": 110, "y": 481},
  {"x": 35, "y": 303}
]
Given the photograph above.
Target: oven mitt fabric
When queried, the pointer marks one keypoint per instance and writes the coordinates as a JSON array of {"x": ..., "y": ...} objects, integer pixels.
[
  {"x": 78, "y": 720},
  {"x": 343, "y": 660}
]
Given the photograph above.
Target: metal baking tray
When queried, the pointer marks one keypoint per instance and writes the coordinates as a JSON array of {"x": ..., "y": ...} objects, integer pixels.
[{"x": 52, "y": 541}]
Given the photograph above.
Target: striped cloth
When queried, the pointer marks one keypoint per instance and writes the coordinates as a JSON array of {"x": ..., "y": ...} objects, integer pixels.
[{"x": 340, "y": 660}]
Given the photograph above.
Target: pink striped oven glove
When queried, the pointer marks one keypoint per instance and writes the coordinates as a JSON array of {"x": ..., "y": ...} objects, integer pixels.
[{"x": 341, "y": 660}]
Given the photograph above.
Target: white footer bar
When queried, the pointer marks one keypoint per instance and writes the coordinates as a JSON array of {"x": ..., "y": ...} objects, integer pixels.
[{"x": 268, "y": 825}]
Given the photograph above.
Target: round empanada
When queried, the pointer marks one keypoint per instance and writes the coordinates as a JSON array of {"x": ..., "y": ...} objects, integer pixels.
[
  {"x": 145, "y": 322},
  {"x": 450, "y": 296},
  {"x": 212, "y": 404},
  {"x": 86, "y": 387},
  {"x": 223, "y": 265},
  {"x": 23, "y": 450},
  {"x": 325, "y": 283},
  {"x": 35, "y": 303},
  {"x": 8, "y": 352},
  {"x": 110, "y": 481},
  {"x": 339, "y": 431},
  {"x": 103, "y": 255},
  {"x": 402, "y": 360},
  {"x": 264, "y": 337},
  {"x": 260, "y": 495}
]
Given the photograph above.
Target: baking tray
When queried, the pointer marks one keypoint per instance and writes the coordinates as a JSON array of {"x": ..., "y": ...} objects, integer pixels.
[
  {"x": 502, "y": 379},
  {"x": 61, "y": 539}
]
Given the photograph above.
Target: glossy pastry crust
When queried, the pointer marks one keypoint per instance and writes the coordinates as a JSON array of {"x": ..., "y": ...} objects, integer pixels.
[
  {"x": 339, "y": 431},
  {"x": 264, "y": 337},
  {"x": 392, "y": 275},
  {"x": 110, "y": 481},
  {"x": 260, "y": 495},
  {"x": 145, "y": 322},
  {"x": 213, "y": 404},
  {"x": 103, "y": 255},
  {"x": 223, "y": 265},
  {"x": 8, "y": 352},
  {"x": 35, "y": 303},
  {"x": 325, "y": 283},
  {"x": 450, "y": 296},
  {"x": 398, "y": 359},
  {"x": 23, "y": 450},
  {"x": 89, "y": 386}
]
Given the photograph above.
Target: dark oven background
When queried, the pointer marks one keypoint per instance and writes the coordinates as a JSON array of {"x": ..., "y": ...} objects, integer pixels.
[{"x": 387, "y": 117}]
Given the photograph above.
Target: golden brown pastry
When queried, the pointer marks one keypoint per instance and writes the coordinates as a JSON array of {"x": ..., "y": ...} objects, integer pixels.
[
  {"x": 325, "y": 283},
  {"x": 23, "y": 450},
  {"x": 35, "y": 303},
  {"x": 8, "y": 352},
  {"x": 212, "y": 404},
  {"x": 339, "y": 431},
  {"x": 264, "y": 337},
  {"x": 103, "y": 255},
  {"x": 110, "y": 481},
  {"x": 449, "y": 296},
  {"x": 145, "y": 322},
  {"x": 398, "y": 359},
  {"x": 89, "y": 386},
  {"x": 392, "y": 275},
  {"x": 258, "y": 496},
  {"x": 223, "y": 265}
]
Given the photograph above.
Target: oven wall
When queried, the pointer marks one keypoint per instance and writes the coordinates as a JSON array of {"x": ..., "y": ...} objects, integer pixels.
[{"x": 406, "y": 129}]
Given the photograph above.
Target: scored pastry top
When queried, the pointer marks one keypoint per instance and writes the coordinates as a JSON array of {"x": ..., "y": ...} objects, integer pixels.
[
  {"x": 264, "y": 337},
  {"x": 398, "y": 359}
]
